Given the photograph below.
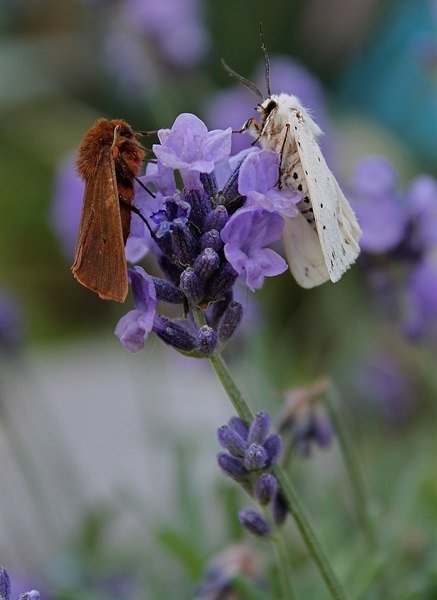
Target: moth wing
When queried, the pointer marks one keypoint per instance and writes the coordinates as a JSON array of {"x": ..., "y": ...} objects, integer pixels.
[
  {"x": 336, "y": 224},
  {"x": 100, "y": 262},
  {"x": 304, "y": 253}
]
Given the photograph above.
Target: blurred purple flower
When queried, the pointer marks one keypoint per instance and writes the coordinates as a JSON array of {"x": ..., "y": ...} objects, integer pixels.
[
  {"x": 421, "y": 200},
  {"x": 385, "y": 384},
  {"x": 67, "y": 205},
  {"x": 254, "y": 522},
  {"x": 189, "y": 146},
  {"x": 233, "y": 107},
  {"x": 378, "y": 206},
  {"x": 175, "y": 27},
  {"x": 11, "y": 322},
  {"x": 245, "y": 235},
  {"x": 422, "y": 297},
  {"x": 257, "y": 179},
  {"x": 134, "y": 327},
  {"x": 5, "y": 584}
]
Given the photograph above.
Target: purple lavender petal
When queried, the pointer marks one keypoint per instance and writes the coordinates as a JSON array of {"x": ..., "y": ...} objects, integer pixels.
[
  {"x": 273, "y": 446},
  {"x": 239, "y": 427},
  {"x": 422, "y": 208},
  {"x": 232, "y": 466},
  {"x": 231, "y": 440},
  {"x": 132, "y": 330},
  {"x": 259, "y": 428},
  {"x": 161, "y": 177},
  {"x": 245, "y": 234}
]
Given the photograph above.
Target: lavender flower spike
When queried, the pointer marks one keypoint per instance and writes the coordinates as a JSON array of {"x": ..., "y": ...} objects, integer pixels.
[{"x": 245, "y": 235}]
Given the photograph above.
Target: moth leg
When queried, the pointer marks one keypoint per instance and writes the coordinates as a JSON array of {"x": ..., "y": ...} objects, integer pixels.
[
  {"x": 135, "y": 210},
  {"x": 281, "y": 155},
  {"x": 246, "y": 125}
]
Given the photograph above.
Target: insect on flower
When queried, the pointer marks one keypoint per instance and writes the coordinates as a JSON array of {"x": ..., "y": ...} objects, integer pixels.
[
  {"x": 109, "y": 159},
  {"x": 321, "y": 242}
]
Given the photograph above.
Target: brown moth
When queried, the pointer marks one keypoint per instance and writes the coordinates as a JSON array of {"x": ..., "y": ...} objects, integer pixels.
[{"x": 108, "y": 160}]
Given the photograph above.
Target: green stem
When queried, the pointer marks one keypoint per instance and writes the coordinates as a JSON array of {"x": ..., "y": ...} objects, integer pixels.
[
  {"x": 283, "y": 565},
  {"x": 314, "y": 548},
  {"x": 351, "y": 464}
]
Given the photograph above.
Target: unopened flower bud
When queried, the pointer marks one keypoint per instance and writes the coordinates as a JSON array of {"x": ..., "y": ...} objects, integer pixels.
[
  {"x": 172, "y": 271},
  {"x": 238, "y": 425},
  {"x": 200, "y": 206},
  {"x": 5, "y": 584},
  {"x": 322, "y": 430},
  {"x": 255, "y": 457},
  {"x": 229, "y": 438},
  {"x": 273, "y": 446},
  {"x": 266, "y": 488},
  {"x": 211, "y": 239},
  {"x": 259, "y": 429},
  {"x": 209, "y": 183},
  {"x": 206, "y": 264},
  {"x": 279, "y": 508},
  {"x": 174, "y": 334},
  {"x": 229, "y": 321},
  {"x": 217, "y": 218},
  {"x": 230, "y": 191},
  {"x": 166, "y": 291},
  {"x": 191, "y": 285},
  {"x": 232, "y": 466},
  {"x": 254, "y": 522},
  {"x": 184, "y": 242},
  {"x": 221, "y": 282},
  {"x": 207, "y": 340}
]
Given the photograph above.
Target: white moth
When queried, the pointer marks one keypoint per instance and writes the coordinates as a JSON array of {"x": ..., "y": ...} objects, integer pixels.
[{"x": 322, "y": 241}]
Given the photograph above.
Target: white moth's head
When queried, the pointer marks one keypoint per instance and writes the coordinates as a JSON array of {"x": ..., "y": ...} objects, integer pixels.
[{"x": 277, "y": 108}]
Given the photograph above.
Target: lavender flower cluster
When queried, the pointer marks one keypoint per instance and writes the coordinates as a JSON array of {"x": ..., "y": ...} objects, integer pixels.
[
  {"x": 5, "y": 588},
  {"x": 399, "y": 243},
  {"x": 251, "y": 453},
  {"x": 204, "y": 235}
]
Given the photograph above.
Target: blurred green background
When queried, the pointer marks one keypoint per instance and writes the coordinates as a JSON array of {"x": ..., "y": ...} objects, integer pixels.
[{"x": 110, "y": 483}]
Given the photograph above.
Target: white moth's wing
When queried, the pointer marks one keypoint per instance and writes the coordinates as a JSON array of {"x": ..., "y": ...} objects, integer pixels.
[
  {"x": 336, "y": 224},
  {"x": 304, "y": 252}
]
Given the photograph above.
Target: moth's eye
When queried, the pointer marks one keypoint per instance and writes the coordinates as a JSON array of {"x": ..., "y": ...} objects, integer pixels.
[
  {"x": 270, "y": 106},
  {"x": 125, "y": 133}
]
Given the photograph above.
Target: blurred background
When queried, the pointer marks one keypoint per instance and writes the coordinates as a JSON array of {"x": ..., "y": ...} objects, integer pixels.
[{"x": 109, "y": 484}]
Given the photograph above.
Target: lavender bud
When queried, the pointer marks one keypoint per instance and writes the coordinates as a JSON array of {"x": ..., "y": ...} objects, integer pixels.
[
  {"x": 191, "y": 285},
  {"x": 169, "y": 269},
  {"x": 207, "y": 340},
  {"x": 230, "y": 191},
  {"x": 279, "y": 508},
  {"x": 209, "y": 183},
  {"x": 184, "y": 243},
  {"x": 5, "y": 584},
  {"x": 230, "y": 320},
  {"x": 217, "y": 218},
  {"x": 166, "y": 291},
  {"x": 254, "y": 522},
  {"x": 259, "y": 429},
  {"x": 255, "y": 457},
  {"x": 229, "y": 439},
  {"x": 219, "y": 307},
  {"x": 322, "y": 430},
  {"x": 266, "y": 488},
  {"x": 174, "y": 334},
  {"x": 272, "y": 446},
  {"x": 221, "y": 282},
  {"x": 206, "y": 264},
  {"x": 33, "y": 595},
  {"x": 239, "y": 427},
  {"x": 165, "y": 242},
  {"x": 232, "y": 466},
  {"x": 211, "y": 239},
  {"x": 200, "y": 206}
]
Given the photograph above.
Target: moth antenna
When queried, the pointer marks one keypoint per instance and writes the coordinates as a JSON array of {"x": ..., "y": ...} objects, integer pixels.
[
  {"x": 242, "y": 80},
  {"x": 266, "y": 59}
]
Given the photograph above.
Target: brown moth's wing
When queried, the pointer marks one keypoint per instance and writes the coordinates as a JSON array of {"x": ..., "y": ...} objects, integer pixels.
[{"x": 100, "y": 262}]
